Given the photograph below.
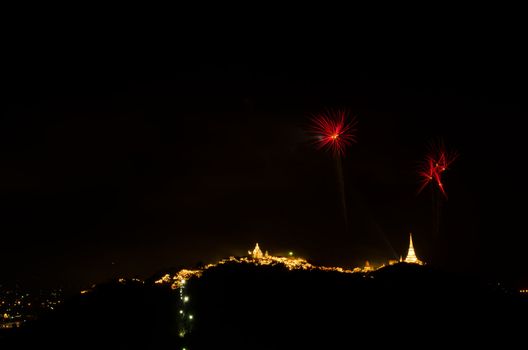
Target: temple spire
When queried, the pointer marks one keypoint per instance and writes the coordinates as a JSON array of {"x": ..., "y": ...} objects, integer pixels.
[
  {"x": 411, "y": 255},
  {"x": 256, "y": 253}
]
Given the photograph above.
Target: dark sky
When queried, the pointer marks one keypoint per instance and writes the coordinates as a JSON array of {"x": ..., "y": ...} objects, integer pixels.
[{"x": 124, "y": 158}]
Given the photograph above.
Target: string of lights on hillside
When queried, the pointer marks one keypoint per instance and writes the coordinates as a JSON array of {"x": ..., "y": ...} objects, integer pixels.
[{"x": 256, "y": 257}]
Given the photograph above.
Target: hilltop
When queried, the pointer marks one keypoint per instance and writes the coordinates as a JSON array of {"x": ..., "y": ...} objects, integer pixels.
[{"x": 245, "y": 305}]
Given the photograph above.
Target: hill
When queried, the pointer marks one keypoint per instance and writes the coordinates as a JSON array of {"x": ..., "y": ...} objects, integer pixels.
[{"x": 247, "y": 306}]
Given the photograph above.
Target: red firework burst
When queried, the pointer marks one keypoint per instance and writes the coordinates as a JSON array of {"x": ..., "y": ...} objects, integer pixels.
[
  {"x": 333, "y": 131},
  {"x": 436, "y": 162}
]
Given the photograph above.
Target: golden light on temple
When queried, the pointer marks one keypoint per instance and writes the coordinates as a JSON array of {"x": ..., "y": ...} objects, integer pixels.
[
  {"x": 411, "y": 255},
  {"x": 255, "y": 257}
]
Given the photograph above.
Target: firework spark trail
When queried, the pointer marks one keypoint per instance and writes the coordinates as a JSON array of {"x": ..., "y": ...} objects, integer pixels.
[
  {"x": 435, "y": 164},
  {"x": 334, "y": 132},
  {"x": 339, "y": 168},
  {"x": 437, "y": 161}
]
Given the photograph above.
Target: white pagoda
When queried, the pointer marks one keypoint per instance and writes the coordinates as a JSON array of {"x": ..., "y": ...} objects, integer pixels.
[{"x": 411, "y": 255}]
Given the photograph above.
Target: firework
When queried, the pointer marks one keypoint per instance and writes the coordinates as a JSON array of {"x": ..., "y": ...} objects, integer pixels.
[
  {"x": 434, "y": 165},
  {"x": 334, "y": 132}
]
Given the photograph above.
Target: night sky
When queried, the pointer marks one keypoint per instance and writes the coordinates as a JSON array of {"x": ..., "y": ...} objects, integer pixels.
[{"x": 122, "y": 159}]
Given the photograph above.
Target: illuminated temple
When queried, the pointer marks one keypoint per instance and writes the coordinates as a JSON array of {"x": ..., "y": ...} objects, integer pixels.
[
  {"x": 256, "y": 257},
  {"x": 257, "y": 253},
  {"x": 411, "y": 255}
]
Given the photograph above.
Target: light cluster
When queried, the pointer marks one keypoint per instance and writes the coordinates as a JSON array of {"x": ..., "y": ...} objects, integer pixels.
[
  {"x": 291, "y": 263},
  {"x": 256, "y": 257},
  {"x": 19, "y": 306}
]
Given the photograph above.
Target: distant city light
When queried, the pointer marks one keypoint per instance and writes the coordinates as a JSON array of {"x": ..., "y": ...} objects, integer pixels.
[
  {"x": 290, "y": 253},
  {"x": 16, "y": 308},
  {"x": 185, "y": 298},
  {"x": 191, "y": 317}
]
